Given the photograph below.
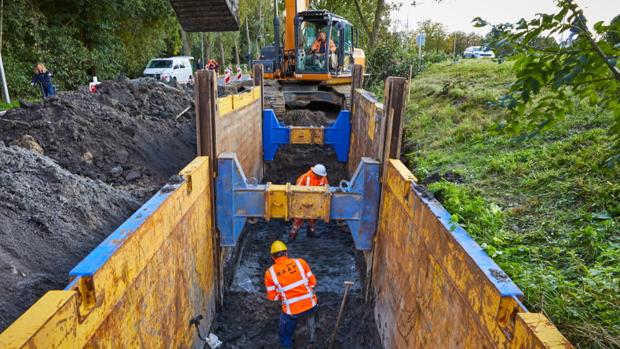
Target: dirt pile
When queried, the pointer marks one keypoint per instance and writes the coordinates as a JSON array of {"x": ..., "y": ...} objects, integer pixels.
[
  {"x": 78, "y": 166},
  {"x": 125, "y": 134},
  {"x": 49, "y": 220}
]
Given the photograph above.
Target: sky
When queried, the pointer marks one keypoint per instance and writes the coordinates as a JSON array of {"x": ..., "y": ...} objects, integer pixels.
[{"x": 457, "y": 14}]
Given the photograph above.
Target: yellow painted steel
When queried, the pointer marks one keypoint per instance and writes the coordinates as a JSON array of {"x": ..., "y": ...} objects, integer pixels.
[
  {"x": 49, "y": 323},
  {"x": 276, "y": 201},
  {"x": 225, "y": 105},
  {"x": 309, "y": 202},
  {"x": 293, "y": 201},
  {"x": 441, "y": 298},
  {"x": 534, "y": 330},
  {"x": 231, "y": 103},
  {"x": 306, "y": 135},
  {"x": 161, "y": 275}
]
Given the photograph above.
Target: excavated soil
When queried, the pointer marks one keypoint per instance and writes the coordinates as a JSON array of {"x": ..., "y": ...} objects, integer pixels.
[
  {"x": 77, "y": 167},
  {"x": 125, "y": 135},
  {"x": 248, "y": 319},
  {"x": 49, "y": 219}
]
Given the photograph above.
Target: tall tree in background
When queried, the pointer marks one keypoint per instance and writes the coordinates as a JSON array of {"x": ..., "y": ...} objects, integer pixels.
[
  {"x": 187, "y": 43},
  {"x": 436, "y": 35}
]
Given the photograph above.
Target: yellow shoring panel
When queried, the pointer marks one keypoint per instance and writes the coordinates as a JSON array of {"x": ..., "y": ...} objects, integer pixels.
[{"x": 126, "y": 309}]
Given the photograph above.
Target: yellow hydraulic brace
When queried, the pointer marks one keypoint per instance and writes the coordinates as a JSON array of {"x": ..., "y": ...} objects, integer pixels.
[
  {"x": 307, "y": 135},
  {"x": 293, "y": 201}
]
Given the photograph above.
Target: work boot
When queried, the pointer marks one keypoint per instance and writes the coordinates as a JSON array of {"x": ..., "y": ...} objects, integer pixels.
[{"x": 292, "y": 235}]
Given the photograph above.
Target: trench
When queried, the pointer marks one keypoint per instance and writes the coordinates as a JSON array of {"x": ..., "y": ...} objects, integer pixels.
[{"x": 248, "y": 319}]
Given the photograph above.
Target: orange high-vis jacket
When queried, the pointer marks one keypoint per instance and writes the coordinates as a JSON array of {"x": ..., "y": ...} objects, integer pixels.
[
  {"x": 319, "y": 46},
  {"x": 291, "y": 281},
  {"x": 309, "y": 179}
]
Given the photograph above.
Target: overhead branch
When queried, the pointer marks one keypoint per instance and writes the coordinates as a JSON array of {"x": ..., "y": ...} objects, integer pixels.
[{"x": 362, "y": 18}]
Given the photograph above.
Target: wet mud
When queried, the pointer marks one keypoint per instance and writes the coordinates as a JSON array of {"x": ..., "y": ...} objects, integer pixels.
[{"x": 249, "y": 320}]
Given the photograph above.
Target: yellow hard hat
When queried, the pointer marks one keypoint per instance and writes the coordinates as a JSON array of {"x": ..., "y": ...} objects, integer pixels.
[{"x": 278, "y": 246}]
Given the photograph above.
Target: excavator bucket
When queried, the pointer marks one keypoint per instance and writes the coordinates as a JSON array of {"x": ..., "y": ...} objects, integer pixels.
[{"x": 207, "y": 15}]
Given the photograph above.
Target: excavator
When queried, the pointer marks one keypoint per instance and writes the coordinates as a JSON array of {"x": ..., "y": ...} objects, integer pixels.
[{"x": 299, "y": 69}]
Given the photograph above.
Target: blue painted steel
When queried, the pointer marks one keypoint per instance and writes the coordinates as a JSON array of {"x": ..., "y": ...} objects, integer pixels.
[
  {"x": 359, "y": 205},
  {"x": 236, "y": 201},
  {"x": 100, "y": 255},
  {"x": 505, "y": 286},
  {"x": 274, "y": 134},
  {"x": 229, "y": 177},
  {"x": 336, "y": 134}
]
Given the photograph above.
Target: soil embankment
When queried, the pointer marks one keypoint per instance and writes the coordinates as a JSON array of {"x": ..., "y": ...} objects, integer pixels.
[{"x": 75, "y": 167}]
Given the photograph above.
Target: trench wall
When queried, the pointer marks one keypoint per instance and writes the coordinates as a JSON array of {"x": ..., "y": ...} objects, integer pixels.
[
  {"x": 434, "y": 287},
  {"x": 238, "y": 129},
  {"x": 367, "y": 128},
  {"x": 139, "y": 287}
]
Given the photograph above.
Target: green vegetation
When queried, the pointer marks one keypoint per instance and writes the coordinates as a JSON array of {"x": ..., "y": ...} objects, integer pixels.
[
  {"x": 6, "y": 106},
  {"x": 546, "y": 208},
  {"x": 584, "y": 68}
]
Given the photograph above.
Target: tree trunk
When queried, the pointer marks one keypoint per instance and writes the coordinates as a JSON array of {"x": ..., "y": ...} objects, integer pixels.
[
  {"x": 247, "y": 38},
  {"x": 358, "y": 7},
  {"x": 207, "y": 44},
  {"x": 222, "y": 52},
  {"x": 237, "y": 62},
  {"x": 377, "y": 22},
  {"x": 187, "y": 45}
]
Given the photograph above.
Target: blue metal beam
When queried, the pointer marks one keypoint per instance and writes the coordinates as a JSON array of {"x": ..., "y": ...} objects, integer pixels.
[
  {"x": 357, "y": 203},
  {"x": 336, "y": 134}
]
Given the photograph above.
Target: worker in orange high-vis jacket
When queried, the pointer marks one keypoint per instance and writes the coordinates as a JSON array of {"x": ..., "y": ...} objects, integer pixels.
[
  {"x": 316, "y": 177},
  {"x": 291, "y": 281}
]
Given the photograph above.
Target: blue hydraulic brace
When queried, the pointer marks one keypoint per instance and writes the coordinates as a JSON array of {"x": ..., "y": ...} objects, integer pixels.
[
  {"x": 336, "y": 134},
  {"x": 357, "y": 203}
]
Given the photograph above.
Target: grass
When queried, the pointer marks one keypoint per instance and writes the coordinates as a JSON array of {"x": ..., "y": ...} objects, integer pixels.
[
  {"x": 7, "y": 106},
  {"x": 546, "y": 208}
]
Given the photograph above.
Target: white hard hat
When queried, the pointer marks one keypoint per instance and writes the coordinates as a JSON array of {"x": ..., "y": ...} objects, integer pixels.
[{"x": 319, "y": 170}]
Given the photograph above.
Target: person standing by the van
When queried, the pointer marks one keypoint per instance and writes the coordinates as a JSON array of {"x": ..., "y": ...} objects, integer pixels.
[{"x": 43, "y": 78}]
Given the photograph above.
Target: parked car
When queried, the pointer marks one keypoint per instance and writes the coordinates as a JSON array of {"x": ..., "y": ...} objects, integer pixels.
[
  {"x": 174, "y": 70},
  {"x": 478, "y": 52}
]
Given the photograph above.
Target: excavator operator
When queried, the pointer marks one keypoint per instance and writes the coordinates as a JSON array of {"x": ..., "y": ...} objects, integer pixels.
[{"x": 318, "y": 49}]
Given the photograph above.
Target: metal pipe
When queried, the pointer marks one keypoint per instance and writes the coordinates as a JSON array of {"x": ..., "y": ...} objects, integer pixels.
[{"x": 5, "y": 88}]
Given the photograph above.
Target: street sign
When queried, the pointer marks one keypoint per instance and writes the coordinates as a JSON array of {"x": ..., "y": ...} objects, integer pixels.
[{"x": 420, "y": 40}]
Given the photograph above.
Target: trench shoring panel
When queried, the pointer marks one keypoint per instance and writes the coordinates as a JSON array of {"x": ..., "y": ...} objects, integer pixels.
[
  {"x": 435, "y": 287},
  {"x": 141, "y": 285}
]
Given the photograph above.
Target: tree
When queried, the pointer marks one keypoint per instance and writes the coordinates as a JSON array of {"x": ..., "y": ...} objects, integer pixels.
[
  {"x": 584, "y": 70},
  {"x": 436, "y": 35}
]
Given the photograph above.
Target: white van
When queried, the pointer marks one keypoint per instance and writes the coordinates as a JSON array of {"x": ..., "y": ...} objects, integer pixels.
[{"x": 178, "y": 69}]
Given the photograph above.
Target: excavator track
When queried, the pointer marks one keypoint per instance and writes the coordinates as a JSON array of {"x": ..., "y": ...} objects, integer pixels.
[
  {"x": 345, "y": 91},
  {"x": 274, "y": 97}
]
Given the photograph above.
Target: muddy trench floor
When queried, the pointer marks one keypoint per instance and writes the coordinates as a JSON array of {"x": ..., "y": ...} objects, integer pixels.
[{"x": 248, "y": 319}]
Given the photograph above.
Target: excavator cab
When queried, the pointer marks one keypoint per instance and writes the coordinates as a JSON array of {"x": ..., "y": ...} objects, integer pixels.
[{"x": 324, "y": 44}]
